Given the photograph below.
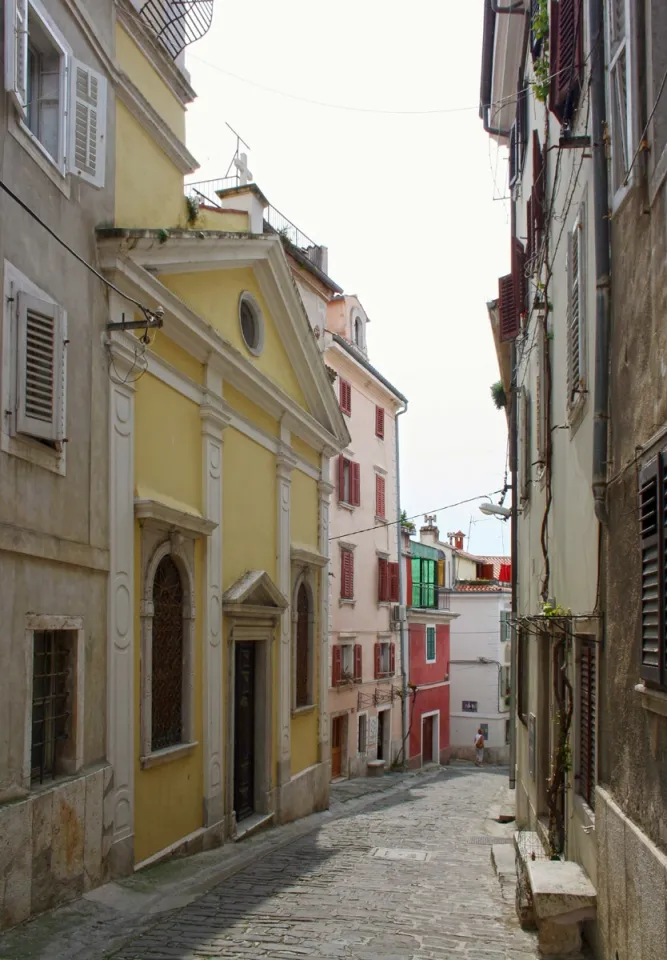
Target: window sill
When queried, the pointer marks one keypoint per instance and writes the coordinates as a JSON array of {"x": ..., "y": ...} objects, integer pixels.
[
  {"x": 654, "y": 701},
  {"x": 381, "y": 519},
  {"x": 32, "y": 146},
  {"x": 431, "y": 662},
  {"x": 34, "y": 452},
  {"x": 159, "y": 757},
  {"x": 576, "y": 412},
  {"x": 304, "y": 711},
  {"x": 345, "y": 506},
  {"x": 342, "y": 602},
  {"x": 385, "y": 676}
]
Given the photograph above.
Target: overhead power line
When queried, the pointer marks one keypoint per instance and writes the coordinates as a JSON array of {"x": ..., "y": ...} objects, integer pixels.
[{"x": 422, "y": 513}]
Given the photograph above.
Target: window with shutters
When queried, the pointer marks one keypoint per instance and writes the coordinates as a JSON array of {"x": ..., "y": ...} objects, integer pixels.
[
  {"x": 33, "y": 348},
  {"x": 566, "y": 60},
  {"x": 59, "y": 101},
  {"x": 587, "y": 721},
  {"x": 576, "y": 317},
  {"x": 653, "y": 534},
  {"x": 349, "y": 482},
  {"x": 385, "y": 660},
  {"x": 380, "y": 500},
  {"x": 346, "y": 575},
  {"x": 622, "y": 94},
  {"x": 387, "y": 581},
  {"x": 345, "y": 396},
  {"x": 379, "y": 422},
  {"x": 430, "y": 645},
  {"x": 424, "y": 579}
]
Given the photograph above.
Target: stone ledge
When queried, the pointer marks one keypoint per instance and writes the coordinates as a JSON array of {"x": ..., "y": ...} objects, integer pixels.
[
  {"x": 375, "y": 768},
  {"x": 561, "y": 890}
]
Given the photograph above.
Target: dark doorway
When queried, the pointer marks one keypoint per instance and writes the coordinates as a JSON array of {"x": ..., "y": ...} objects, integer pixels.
[
  {"x": 337, "y": 729},
  {"x": 382, "y": 720},
  {"x": 244, "y": 731},
  {"x": 302, "y": 646},
  {"x": 427, "y": 739}
]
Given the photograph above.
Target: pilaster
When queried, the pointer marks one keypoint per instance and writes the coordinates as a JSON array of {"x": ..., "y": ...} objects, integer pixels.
[
  {"x": 285, "y": 463},
  {"x": 214, "y": 419},
  {"x": 325, "y": 490},
  {"x": 119, "y": 799}
]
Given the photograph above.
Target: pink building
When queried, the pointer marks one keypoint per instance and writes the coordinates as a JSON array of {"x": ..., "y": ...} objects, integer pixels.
[{"x": 365, "y": 705}]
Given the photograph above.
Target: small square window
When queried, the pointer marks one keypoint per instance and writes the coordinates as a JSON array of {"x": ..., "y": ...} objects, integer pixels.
[{"x": 430, "y": 645}]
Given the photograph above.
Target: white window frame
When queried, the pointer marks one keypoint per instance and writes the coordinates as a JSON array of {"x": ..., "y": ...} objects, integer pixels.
[
  {"x": 36, "y": 623},
  {"x": 435, "y": 645},
  {"x": 71, "y": 105},
  {"x": 26, "y": 446},
  {"x": 625, "y": 138},
  {"x": 384, "y": 674},
  {"x": 576, "y": 295}
]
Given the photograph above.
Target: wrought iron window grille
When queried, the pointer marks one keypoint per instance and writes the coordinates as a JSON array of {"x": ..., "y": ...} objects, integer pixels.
[
  {"x": 50, "y": 694},
  {"x": 178, "y": 23}
]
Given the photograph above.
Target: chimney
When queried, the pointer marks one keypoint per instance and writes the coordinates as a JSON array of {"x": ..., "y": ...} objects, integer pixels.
[
  {"x": 319, "y": 256},
  {"x": 429, "y": 533},
  {"x": 456, "y": 539},
  {"x": 248, "y": 198}
]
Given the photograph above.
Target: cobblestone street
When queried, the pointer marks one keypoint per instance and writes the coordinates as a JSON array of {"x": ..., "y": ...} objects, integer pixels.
[{"x": 328, "y": 895}]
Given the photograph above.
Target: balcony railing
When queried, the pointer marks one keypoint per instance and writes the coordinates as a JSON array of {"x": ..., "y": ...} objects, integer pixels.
[
  {"x": 178, "y": 23},
  {"x": 428, "y": 596}
]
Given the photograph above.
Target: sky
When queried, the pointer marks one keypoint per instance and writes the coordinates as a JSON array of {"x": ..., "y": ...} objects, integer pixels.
[{"x": 400, "y": 182}]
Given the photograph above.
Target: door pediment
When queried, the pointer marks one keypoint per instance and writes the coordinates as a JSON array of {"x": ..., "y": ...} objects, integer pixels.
[{"x": 254, "y": 596}]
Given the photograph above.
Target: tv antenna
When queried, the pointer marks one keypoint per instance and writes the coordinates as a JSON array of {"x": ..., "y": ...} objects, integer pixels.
[{"x": 239, "y": 160}]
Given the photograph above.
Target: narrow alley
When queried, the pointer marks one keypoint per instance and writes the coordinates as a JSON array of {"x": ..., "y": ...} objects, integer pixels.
[{"x": 399, "y": 875}]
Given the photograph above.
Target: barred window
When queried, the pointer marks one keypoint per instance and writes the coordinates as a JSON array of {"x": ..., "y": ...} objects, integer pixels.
[
  {"x": 51, "y": 703},
  {"x": 167, "y": 659}
]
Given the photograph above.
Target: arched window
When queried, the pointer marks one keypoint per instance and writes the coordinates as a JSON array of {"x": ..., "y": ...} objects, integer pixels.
[
  {"x": 167, "y": 656},
  {"x": 359, "y": 332},
  {"x": 302, "y": 646}
]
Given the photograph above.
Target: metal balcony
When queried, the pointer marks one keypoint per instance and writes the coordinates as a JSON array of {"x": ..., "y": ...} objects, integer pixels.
[{"x": 178, "y": 23}]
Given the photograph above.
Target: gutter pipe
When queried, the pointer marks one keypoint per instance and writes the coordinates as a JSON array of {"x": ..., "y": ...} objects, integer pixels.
[
  {"x": 401, "y": 588},
  {"x": 601, "y": 232},
  {"x": 514, "y": 542}
]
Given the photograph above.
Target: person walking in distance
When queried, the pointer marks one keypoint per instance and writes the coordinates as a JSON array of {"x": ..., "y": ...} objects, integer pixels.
[{"x": 479, "y": 748}]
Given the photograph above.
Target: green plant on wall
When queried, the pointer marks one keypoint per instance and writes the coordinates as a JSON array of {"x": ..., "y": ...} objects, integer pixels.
[
  {"x": 192, "y": 208},
  {"x": 541, "y": 66},
  {"x": 498, "y": 395}
]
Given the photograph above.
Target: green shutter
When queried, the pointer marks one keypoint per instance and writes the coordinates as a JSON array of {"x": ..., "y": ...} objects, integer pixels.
[
  {"x": 430, "y": 580},
  {"x": 416, "y": 582}
]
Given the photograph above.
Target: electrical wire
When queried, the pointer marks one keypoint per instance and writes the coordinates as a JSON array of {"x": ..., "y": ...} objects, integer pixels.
[
  {"x": 148, "y": 314},
  {"x": 422, "y": 513}
]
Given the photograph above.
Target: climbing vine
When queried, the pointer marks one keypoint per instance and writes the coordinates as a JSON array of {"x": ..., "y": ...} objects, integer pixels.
[{"x": 541, "y": 63}]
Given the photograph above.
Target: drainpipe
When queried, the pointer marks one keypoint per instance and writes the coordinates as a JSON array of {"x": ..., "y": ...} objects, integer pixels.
[
  {"x": 514, "y": 540},
  {"x": 401, "y": 583},
  {"x": 602, "y": 263}
]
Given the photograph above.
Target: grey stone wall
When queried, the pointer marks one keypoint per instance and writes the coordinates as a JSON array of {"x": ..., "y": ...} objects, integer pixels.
[{"x": 305, "y": 793}]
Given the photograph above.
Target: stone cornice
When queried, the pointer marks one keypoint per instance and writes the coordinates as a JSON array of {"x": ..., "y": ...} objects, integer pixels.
[
  {"x": 310, "y": 557},
  {"x": 154, "y": 125},
  {"x": 168, "y": 516}
]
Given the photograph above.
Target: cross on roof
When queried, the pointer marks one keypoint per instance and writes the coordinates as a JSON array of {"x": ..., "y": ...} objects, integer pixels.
[{"x": 241, "y": 164}]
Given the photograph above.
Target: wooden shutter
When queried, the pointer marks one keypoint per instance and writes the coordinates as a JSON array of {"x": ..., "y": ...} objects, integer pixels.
[
  {"x": 530, "y": 232},
  {"x": 357, "y": 663},
  {"x": 575, "y": 320},
  {"x": 341, "y": 478},
  {"x": 509, "y": 320},
  {"x": 347, "y": 575},
  {"x": 519, "y": 277},
  {"x": 440, "y": 565},
  {"x": 355, "y": 484},
  {"x": 16, "y": 52},
  {"x": 416, "y": 582},
  {"x": 521, "y": 121},
  {"x": 345, "y": 396},
  {"x": 538, "y": 188},
  {"x": 40, "y": 381},
  {"x": 394, "y": 594},
  {"x": 652, "y": 533},
  {"x": 392, "y": 659},
  {"x": 587, "y": 717},
  {"x": 383, "y": 580},
  {"x": 87, "y": 123},
  {"x": 377, "y": 657},
  {"x": 379, "y": 496},
  {"x": 336, "y": 665},
  {"x": 565, "y": 31},
  {"x": 379, "y": 422}
]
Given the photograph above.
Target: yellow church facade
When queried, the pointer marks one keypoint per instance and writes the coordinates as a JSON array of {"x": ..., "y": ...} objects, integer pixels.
[{"x": 222, "y": 424}]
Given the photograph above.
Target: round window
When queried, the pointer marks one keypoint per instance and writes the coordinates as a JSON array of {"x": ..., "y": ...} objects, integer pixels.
[{"x": 252, "y": 328}]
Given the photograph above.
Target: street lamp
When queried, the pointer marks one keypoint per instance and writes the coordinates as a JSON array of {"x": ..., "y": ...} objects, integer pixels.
[{"x": 495, "y": 510}]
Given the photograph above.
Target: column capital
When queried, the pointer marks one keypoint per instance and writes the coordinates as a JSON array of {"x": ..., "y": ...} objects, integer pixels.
[
  {"x": 214, "y": 413},
  {"x": 325, "y": 488},
  {"x": 285, "y": 461}
]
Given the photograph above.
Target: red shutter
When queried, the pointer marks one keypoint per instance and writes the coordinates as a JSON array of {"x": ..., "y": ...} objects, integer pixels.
[
  {"x": 383, "y": 580},
  {"x": 355, "y": 484},
  {"x": 379, "y": 422},
  {"x": 519, "y": 277},
  {"x": 530, "y": 231},
  {"x": 341, "y": 478},
  {"x": 393, "y": 583},
  {"x": 378, "y": 660},
  {"x": 538, "y": 188},
  {"x": 347, "y": 575},
  {"x": 357, "y": 662},
  {"x": 345, "y": 397},
  {"x": 336, "y": 665},
  {"x": 392, "y": 659},
  {"x": 566, "y": 32},
  {"x": 505, "y": 572},
  {"x": 508, "y": 314},
  {"x": 379, "y": 496}
]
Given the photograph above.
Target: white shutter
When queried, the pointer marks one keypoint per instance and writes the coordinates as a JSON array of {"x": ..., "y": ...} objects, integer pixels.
[
  {"x": 16, "y": 51},
  {"x": 575, "y": 320},
  {"x": 87, "y": 123},
  {"x": 40, "y": 375}
]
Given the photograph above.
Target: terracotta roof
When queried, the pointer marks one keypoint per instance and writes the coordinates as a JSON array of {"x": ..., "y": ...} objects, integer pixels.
[{"x": 481, "y": 588}]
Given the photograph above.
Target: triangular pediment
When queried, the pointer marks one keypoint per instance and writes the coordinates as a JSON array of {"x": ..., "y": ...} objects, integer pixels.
[{"x": 255, "y": 589}]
